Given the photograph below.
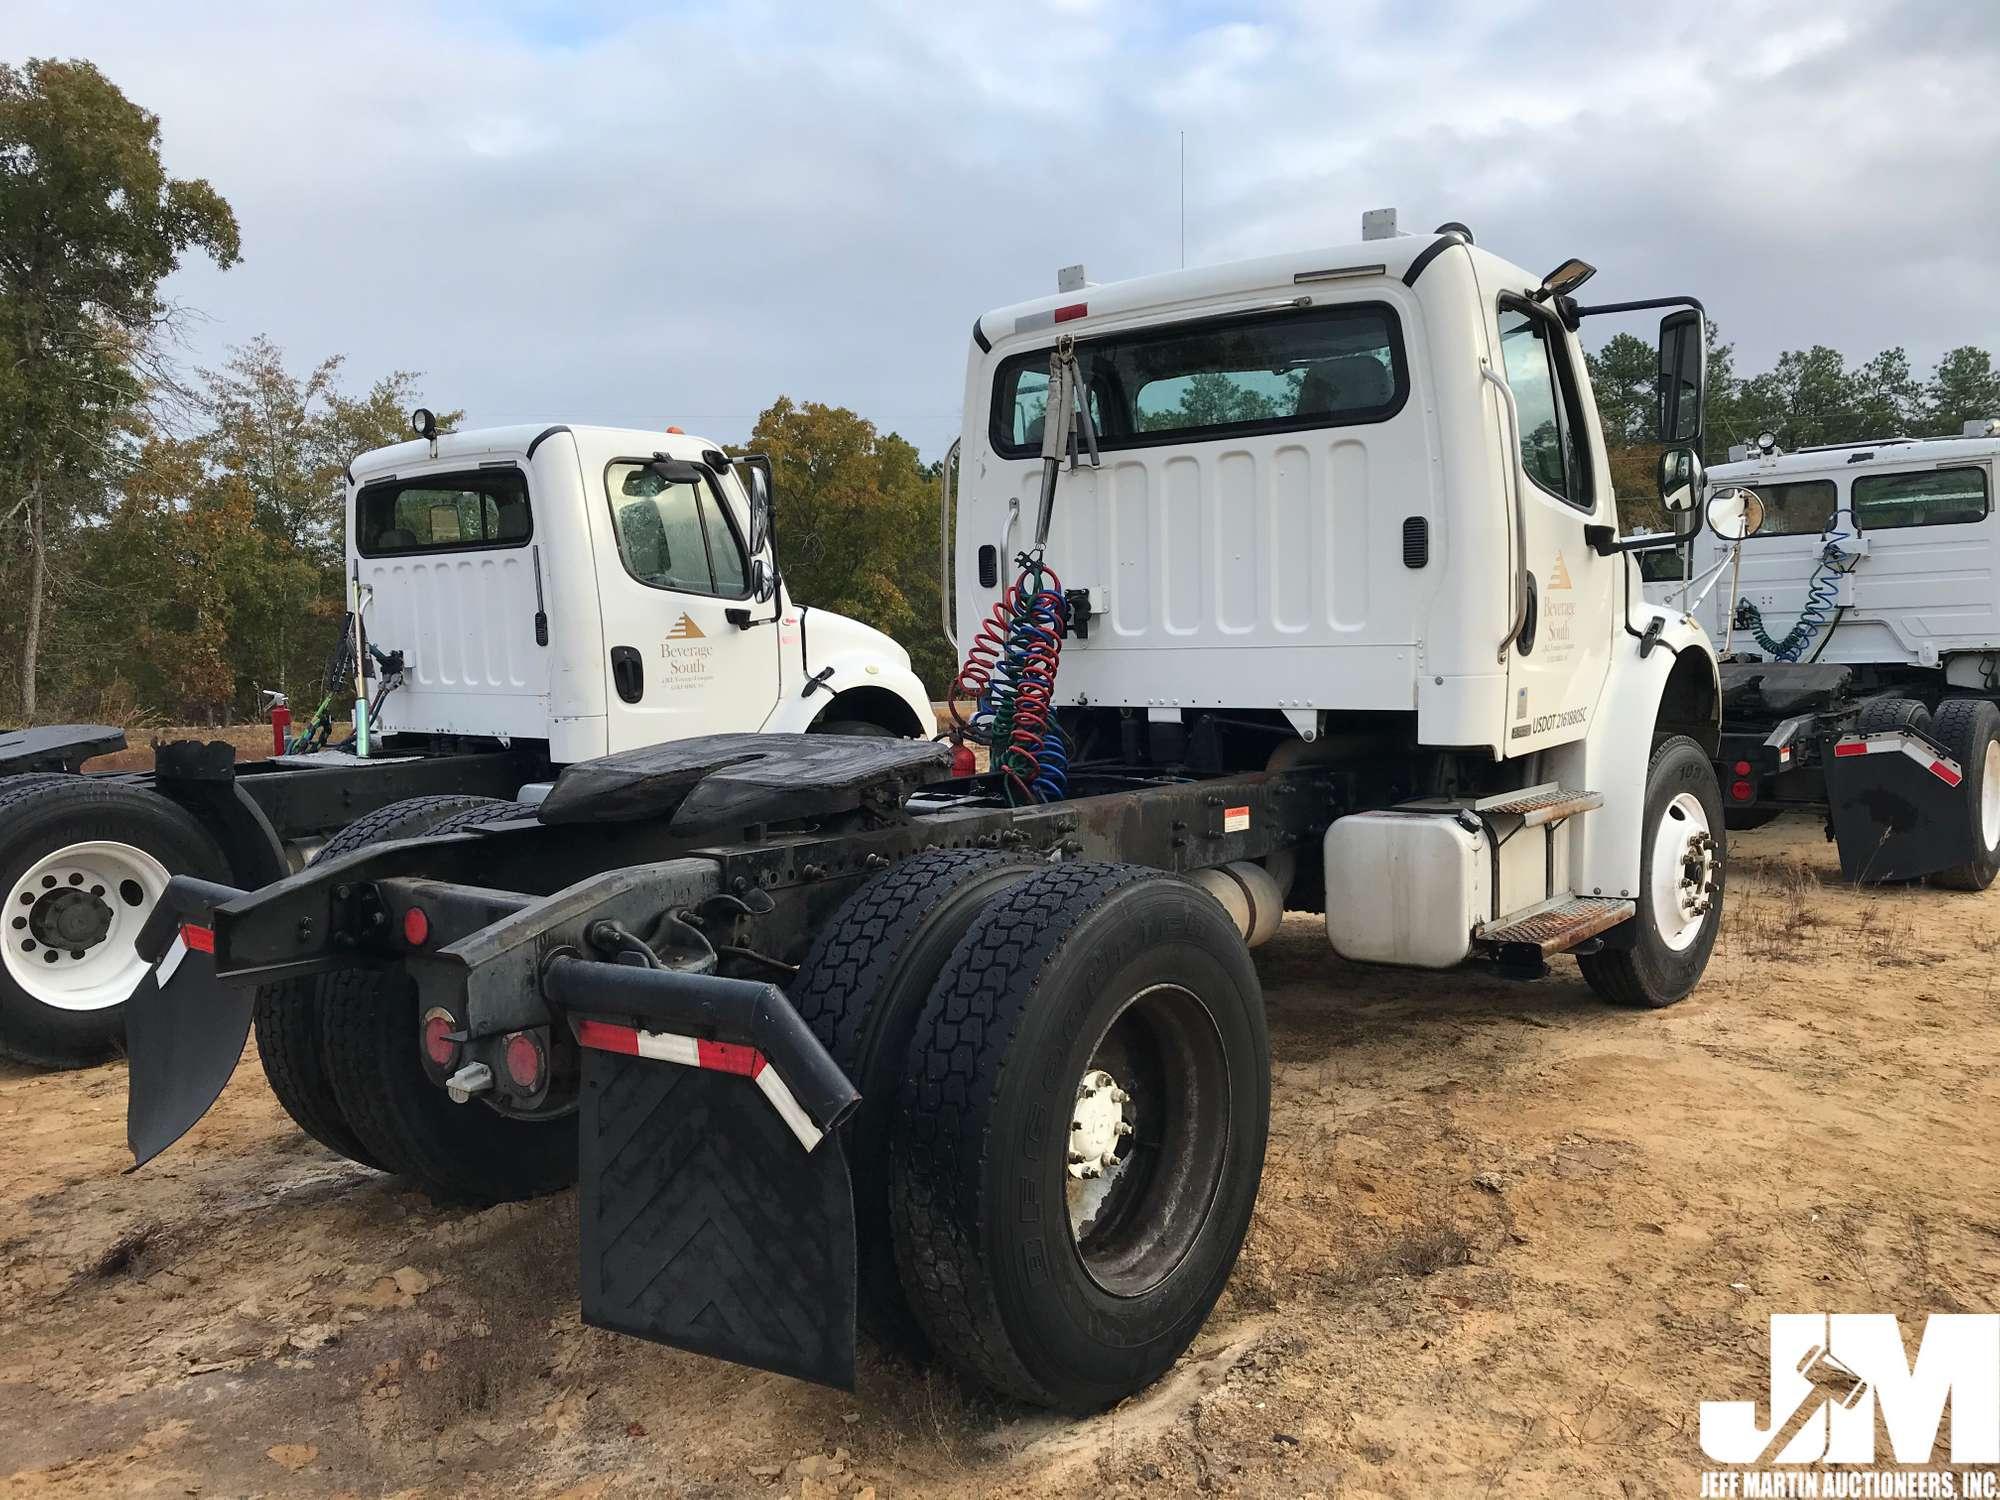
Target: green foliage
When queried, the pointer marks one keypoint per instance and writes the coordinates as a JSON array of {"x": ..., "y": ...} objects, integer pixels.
[
  {"x": 90, "y": 224},
  {"x": 857, "y": 524}
]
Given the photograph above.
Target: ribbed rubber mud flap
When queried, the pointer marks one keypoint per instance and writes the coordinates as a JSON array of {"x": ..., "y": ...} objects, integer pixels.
[
  {"x": 705, "y": 1224},
  {"x": 1898, "y": 815},
  {"x": 183, "y": 1039}
]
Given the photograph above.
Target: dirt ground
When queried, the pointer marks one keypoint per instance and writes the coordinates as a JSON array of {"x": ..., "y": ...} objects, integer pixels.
[{"x": 1509, "y": 1238}]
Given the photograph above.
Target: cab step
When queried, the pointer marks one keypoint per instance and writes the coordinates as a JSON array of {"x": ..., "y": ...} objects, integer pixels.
[
  {"x": 1537, "y": 805},
  {"x": 1556, "y": 925}
]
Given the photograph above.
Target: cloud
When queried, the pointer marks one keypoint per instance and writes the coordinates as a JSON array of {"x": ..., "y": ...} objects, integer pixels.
[{"x": 654, "y": 214}]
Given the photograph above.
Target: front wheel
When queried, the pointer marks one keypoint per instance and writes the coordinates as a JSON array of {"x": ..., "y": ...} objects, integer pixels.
[
  {"x": 82, "y": 862},
  {"x": 1662, "y": 951},
  {"x": 1079, "y": 1136}
]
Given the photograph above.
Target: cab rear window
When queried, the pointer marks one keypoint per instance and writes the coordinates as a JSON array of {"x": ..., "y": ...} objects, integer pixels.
[
  {"x": 1217, "y": 377},
  {"x": 1938, "y": 497},
  {"x": 443, "y": 513}
]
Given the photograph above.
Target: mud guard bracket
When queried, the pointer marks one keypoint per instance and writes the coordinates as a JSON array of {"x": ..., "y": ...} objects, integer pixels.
[{"x": 705, "y": 1226}]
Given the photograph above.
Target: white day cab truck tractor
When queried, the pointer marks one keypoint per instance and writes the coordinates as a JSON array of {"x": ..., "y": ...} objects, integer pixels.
[
  {"x": 531, "y": 598},
  {"x": 1331, "y": 613},
  {"x": 1861, "y": 630}
]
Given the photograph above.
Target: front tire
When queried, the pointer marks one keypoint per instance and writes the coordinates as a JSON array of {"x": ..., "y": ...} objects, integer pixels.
[
  {"x": 1969, "y": 730},
  {"x": 1078, "y": 1142},
  {"x": 82, "y": 862},
  {"x": 1666, "y": 945}
]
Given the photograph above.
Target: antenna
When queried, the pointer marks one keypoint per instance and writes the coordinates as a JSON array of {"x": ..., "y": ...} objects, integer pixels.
[{"x": 1183, "y": 200}]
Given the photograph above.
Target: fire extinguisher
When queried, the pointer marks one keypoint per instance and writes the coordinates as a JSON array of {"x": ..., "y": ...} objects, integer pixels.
[{"x": 281, "y": 721}]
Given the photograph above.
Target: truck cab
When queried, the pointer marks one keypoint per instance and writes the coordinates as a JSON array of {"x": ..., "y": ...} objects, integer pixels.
[
  {"x": 1352, "y": 503},
  {"x": 598, "y": 589}
]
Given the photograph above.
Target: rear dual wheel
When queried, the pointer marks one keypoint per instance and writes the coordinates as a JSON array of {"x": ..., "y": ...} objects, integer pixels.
[
  {"x": 1080, "y": 1132},
  {"x": 1969, "y": 731},
  {"x": 340, "y": 1052}
]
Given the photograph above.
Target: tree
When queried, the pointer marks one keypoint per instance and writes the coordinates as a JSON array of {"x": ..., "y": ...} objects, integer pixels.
[
  {"x": 1625, "y": 375},
  {"x": 1963, "y": 388},
  {"x": 90, "y": 224},
  {"x": 856, "y": 521}
]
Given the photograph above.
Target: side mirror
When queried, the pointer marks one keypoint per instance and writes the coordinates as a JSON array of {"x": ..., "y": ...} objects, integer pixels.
[
  {"x": 1683, "y": 366},
  {"x": 763, "y": 581},
  {"x": 754, "y": 470},
  {"x": 1680, "y": 480},
  {"x": 1735, "y": 514}
]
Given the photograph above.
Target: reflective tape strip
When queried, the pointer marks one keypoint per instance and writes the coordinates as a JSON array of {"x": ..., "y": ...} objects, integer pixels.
[
  {"x": 1941, "y": 766},
  {"x": 711, "y": 1057},
  {"x": 788, "y": 1107},
  {"x": 170, "y": 960}
]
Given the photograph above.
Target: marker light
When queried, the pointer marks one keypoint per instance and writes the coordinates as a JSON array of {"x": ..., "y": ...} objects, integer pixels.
[
  {"x": 438, "y": 1045},
  {"x": 525, "y": 1062},
  {"x": 1742, "y": 791},
  {"x": 416, "y": 927}
]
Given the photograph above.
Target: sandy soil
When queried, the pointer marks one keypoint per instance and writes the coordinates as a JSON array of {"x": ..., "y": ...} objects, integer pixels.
[{"x": 1508, "y": 1239}]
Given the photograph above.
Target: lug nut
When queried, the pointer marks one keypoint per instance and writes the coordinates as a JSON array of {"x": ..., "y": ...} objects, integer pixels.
[
  {"x": 1124, "y": 1127},
  {"x": 1076, "y": 1158},
  {"x": 1109, "y": 1158},
  {"x": 1119, "y": 1096}
]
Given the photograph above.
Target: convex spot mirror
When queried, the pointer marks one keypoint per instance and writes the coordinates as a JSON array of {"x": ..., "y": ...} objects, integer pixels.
[
  {"x": 1735, "y": 514},
  {"x": 763, "y": 581},
  {"x": 1683, "y": 367},
  {"x": 1680, "y": 481}
]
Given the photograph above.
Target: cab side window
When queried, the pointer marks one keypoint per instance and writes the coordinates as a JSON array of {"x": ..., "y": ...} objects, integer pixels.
[
  {"x": 1554, "y": 452},
  {"x": 673, "y": 532}
]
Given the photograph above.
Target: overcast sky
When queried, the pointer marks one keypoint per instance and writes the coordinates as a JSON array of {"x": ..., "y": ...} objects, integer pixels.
[{"x": 642, "y": 213}]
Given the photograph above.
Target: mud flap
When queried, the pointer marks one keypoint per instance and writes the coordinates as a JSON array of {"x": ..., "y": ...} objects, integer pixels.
[
  {"x": 184, "y": 1028},
  {"x": 1898, "y": 807},
  {"x": 707, "y": 1225}
]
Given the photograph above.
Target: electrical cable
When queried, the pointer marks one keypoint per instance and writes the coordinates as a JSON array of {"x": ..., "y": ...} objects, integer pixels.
[
  {"x": 1822, "y": 596},
  {"x": 1009, "y": 677}
]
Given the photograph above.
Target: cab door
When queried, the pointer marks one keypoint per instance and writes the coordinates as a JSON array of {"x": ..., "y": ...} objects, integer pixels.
[
  {"x": 672, "y": 567},
  {"x": 1562, "y": 650}
]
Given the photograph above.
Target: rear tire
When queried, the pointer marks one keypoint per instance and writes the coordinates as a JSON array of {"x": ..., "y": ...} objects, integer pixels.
[
  {"x": 1669, "y": 944},
  {"x": 1880, "y": 715},
  {"x": 82, "y": 861},
  {"x": 861, "y": 988},
  {"x": 1108, "y": 1005},
  {"x": 1969, "y": 730},
  {"x": 288, "y": 1017}
]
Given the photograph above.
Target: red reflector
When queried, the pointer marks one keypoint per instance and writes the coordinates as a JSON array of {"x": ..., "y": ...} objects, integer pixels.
[
  {"x": 608, "y": 1038},
  {"x": 963, "y": 762},
  {"x": 1850, "y": 747},
  {"x": 200, "y": 939},
  {"x": 416, "y": 927},
  {"x": 1074, "y": 310},
  {"x": 524, "y": 1061},
  {"x": 1743, "y": 768},
  {"x": 727, "y": 1057},
  {"x": 1742, "y": 791},
  {"x": 438, "y": 1045},
  {"x": 1945, "y": 773}
]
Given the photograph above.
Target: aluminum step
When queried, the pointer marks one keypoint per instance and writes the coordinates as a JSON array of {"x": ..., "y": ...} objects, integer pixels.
[
  {"x": 1539, "y": 804},
  {"x": 1556, "y": 925}
]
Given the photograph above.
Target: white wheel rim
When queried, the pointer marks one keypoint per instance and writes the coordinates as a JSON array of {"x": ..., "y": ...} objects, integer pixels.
[
  {"x": 71, "y": 921},
  {"x": 1096, "y": 1135},
  {"x": 1989, "y": 796},
  {"x": 1681, "y": 881}
]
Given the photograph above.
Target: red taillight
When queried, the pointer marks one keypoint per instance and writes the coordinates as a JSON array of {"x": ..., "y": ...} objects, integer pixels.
[
  {"x": 1742, "y": 791},
  {"x": 1074, "y": 310},
  {"x": 525, "y": 1062},
  {"x": 1743, "y": 768},
  {"x": 963, "y": 762},
  {"x": 438, "y": 1045},
  {"x": 200, "y": 939},
  {"x": 416, "y": 927}
]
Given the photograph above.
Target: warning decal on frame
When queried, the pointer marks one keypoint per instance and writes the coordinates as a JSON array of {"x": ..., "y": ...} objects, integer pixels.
[{"x": 1236, "y": 820}]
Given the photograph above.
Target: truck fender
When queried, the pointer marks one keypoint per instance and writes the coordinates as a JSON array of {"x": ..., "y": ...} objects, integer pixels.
[
  {"x": 857, "y": 685},
  {"x": 1662, "y": 681}
]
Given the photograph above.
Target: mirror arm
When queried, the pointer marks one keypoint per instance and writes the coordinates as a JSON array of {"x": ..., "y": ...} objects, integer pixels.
[
  {"x": 1604, "y": 541},
  {"x": 1639, "y": 306}
]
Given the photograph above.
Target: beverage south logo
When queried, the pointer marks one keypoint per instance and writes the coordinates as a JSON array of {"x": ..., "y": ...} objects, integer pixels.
[
  {"x": 1846, "y": 1395},
  {"x": 684, "y": 654},
  {"x": 685, "y": 629}
]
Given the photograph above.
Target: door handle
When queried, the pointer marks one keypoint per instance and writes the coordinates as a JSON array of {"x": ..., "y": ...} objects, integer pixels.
[{"x": 628, "y": 673}]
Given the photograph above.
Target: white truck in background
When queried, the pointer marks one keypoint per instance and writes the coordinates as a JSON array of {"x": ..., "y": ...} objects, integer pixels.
[
  {"x": 538, "y": 596},
  {"x": 1332, "y": 612},
  {"x": 1862, "y": 632}
]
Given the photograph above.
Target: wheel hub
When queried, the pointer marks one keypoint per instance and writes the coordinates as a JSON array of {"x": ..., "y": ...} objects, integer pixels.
[
  {"x": 70, "y": 920},
  {"x": 1685, "y": 873},
  {"x": 1098, "y": 1127}
]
